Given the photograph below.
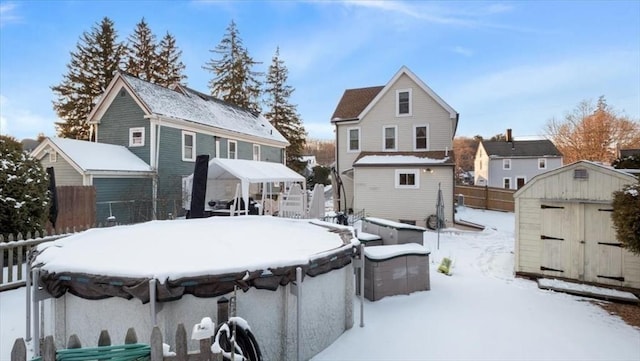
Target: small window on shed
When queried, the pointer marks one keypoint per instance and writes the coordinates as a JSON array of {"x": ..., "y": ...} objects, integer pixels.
[{"x": 580, "y": 173}]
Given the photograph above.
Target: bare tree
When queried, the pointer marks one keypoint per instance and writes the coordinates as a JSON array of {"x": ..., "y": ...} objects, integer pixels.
[{"x": 593, "y": 132}]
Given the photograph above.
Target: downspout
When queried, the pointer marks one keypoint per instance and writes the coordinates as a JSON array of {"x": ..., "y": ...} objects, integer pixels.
[{"x": 154, "y": 167}]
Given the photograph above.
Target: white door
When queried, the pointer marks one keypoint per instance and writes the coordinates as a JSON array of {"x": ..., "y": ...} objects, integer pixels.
[
  {"x": 554, "y": 231},
  {"x": 603, "y": 253}
]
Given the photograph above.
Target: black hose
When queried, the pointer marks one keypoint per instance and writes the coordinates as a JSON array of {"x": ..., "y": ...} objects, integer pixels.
[{"x": 246, "y": 343}]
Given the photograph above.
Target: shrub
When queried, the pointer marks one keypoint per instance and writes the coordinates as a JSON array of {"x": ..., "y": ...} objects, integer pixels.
[{"x": 626, "y": 217}]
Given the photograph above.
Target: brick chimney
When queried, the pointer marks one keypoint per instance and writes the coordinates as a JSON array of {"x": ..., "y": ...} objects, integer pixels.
[{"x": 509, "y": 136}]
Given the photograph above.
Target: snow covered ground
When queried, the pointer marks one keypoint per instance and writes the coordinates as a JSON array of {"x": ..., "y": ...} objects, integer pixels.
[{"x": 481, "y": 312}]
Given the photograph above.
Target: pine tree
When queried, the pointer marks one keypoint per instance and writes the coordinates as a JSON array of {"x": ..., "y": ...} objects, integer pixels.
[
  {"x": 282, "y": 114},
  {"x": 169, "y": 66},
  {"x": 93, "y": 65},
  {"x": 142, "y": 60},
  {"x": 23, "y": 190},
  {"x": 235, "y": 82}
]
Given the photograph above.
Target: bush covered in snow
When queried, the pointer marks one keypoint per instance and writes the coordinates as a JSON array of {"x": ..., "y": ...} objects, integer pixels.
[
  {"x": 23, "y": 190},
  {"x": 626, "y": 216}
]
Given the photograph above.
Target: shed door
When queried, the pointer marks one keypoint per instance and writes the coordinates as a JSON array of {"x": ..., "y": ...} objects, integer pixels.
[
  {"x": 555, "y": 223},
  {"x": 603, "y": 253}
]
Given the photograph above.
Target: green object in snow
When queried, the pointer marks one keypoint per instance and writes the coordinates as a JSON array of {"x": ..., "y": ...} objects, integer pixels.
[{"x": 445, "y": 266}]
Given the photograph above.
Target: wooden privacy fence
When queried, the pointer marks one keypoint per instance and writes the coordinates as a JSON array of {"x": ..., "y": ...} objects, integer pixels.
[
  {"x": 76, "y": 207},
  {"x": 130, "y": 350},
  {"x": 497, "y": 199}
]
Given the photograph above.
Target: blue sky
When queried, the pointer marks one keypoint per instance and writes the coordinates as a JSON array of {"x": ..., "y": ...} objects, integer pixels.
[{"x": 499, "y": 64}]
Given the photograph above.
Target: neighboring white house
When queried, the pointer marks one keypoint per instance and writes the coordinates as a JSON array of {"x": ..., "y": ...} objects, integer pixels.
[
  {"x": 564, "y": 227},
  {"x": 393, "y": 149},
  {"x": 512, "y": 163}
]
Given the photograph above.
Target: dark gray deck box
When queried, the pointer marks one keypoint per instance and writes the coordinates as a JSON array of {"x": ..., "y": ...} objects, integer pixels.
[
  {"x": 395, "y": 270},
  {"x": 393, "y": 232}
]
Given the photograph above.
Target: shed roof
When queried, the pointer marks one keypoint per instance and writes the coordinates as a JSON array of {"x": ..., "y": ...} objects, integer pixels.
[
  {"x": 91, "y": 157},
  {"x": 521, "y": 148},
  {"x": 600, "y": 168},
  {"x": 370, "y": 159}
]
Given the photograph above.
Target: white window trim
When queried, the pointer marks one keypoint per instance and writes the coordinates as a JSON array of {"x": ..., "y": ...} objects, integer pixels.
[
  {"x": 505, "y": 162},
  {"x": 384, "y": 138},
  {"x": 136, "y": 130},
  {"x": 193, "y": 135},
  {"x": 217, "y": 148},
  {"x": 235, "y": 154},
  {"x": 398, "y": 91},
  {"x": 256, "y": 146},
  {"x": 415, "y": 172},
  {"x": 415, "y": 140},
  {"x": 53, "y": 156},
  {"x": 505, "y": 179},
  {"x": 349, "y": 150},
  {"x": 519, "y": 177},
  {"x": 545, "y": 163}
]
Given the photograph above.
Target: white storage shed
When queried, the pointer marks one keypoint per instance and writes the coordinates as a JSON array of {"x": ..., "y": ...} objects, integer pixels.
[{"x": 564, "y": 228}]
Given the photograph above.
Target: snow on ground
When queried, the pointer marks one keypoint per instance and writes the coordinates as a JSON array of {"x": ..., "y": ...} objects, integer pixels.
[{"x": 481, "y": 312}]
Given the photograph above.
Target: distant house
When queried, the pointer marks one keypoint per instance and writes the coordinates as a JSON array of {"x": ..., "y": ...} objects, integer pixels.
[
  {"x": 564, "y": 227},
  {"x": 394, "y": 149},
  {"x": 510, "y": 164},
  {"x": 167, "y": 128}
]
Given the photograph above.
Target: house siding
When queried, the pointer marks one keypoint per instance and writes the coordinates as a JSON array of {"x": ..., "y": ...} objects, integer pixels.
[
  {"x": 65, "y": 174},
  {"x": 375, "y": 192},
  {"x": 123, "y": 114},
  {"x": 520, "y": 167},
  {"x": 130, "y": 198},
  {"x": 425, "y": 111}
]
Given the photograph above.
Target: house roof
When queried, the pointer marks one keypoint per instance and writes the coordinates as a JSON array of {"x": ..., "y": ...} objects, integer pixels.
[
  {"x": 95, "y": 157},
  {"x": 629, "y": 152},
  {"x": 521, "y": 148},
  {"x": 183, "y": 103},
  {"x": 432, "y": 158},
  {"x": 354, "y": 101}
]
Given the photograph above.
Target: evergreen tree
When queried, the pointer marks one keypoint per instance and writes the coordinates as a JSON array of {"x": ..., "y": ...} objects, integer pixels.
[
  {"x": 169, "y": 66},
  {"x": 235, "y": 82},
  {"x": 23, "y": 190},
  {"x": 142, "y": 61},
  {"x": 626, "y": 217},
  {"x": 282, "y": 114},
  {"x": 93, "y": 65}
]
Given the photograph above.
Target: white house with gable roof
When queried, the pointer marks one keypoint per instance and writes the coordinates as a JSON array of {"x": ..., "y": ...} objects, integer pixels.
[{"x": 394, "y": 150}]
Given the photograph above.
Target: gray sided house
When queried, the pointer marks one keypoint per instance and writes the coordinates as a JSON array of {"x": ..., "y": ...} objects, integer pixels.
[
  {"x": 393, "y": 148},
  {"x": 117, "y": 174},
  {"x": 512, "y": 163},
  {"x": 168, "y": 127},
  {"x": 564, "y": 227}
]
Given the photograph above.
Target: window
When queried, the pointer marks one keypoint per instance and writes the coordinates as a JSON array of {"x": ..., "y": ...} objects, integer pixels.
[
  {"x": 421, "y": 135},
  {"x": 407, "y": 178},
  {"x": 506, "y": 183},
  {"x": 389, "y": 137},
  {"x": 53, "y": 156},
  {"x": 188, "y": 146},
  {"x": 520, "y": 182},
  {"x": 136, "y": 137},
  {"x": 542, "y": 163},
  {"x": 217, "y": 148},
  {"x": 403, "y": 102},
  {"x": 256, "y": 152},
  {"x": 354, "y": 140},
  {"x": 233, "y": 150},
  {"x": 506, "y": 164}
]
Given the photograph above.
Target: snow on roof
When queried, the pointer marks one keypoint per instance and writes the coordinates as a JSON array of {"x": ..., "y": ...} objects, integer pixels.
[
  {"x": 390, "y": 251},
  {"x": 193, "y": 107},
  {"x": 251, "y": 171},
  {"x": 174, "y": 249},
  {"x": 92, "y": 156},
  {"x": 397, "y": 159}
]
